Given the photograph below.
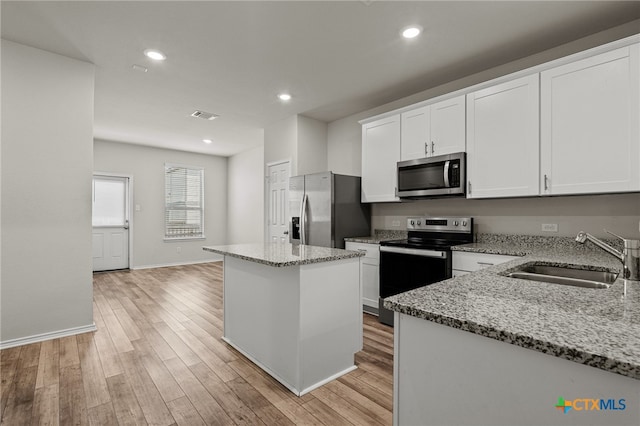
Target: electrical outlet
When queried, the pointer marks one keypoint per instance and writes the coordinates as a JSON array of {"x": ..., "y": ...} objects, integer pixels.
[
  {"x": 179, "y": 249},
  {"x": 395, "y": 223},
  {"x": 137, "y": 207},
  {"x": 550, "y": 227}
]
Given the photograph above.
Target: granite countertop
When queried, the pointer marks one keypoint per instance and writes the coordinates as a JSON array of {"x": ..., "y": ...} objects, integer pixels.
[
  {"x": 378, "y": 236},
  {"x": 283, "y": 254},
  {"x": 595, "y": 327}
]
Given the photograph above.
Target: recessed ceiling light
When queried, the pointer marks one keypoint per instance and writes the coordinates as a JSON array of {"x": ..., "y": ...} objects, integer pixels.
[
  {"x": 412, "y": 31},
  {"x": 156, "y": 55},
  {"x": 207, "y": 141},
  {"x": 284, "y": 96}
]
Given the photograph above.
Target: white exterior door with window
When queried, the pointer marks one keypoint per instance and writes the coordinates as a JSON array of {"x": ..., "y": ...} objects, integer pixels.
[
  {"x": 278, "y": 193},
  {"x": 110, "y": 217}
]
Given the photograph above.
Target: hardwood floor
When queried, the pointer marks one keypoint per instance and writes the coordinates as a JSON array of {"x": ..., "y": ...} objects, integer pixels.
[{"x": 158, "y": 358}]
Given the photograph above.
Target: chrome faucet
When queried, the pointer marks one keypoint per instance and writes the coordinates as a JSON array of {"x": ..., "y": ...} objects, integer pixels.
[{"x": 630, "y": 256}]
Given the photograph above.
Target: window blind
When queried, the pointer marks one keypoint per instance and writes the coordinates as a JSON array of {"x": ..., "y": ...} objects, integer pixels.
[{"x": 184, "y": 202}]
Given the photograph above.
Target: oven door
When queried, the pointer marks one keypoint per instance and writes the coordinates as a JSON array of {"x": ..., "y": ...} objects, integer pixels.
[{"x": 403, "y": 269}]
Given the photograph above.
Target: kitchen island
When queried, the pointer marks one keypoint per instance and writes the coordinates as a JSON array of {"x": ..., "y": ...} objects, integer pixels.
[
  {"x": 488, "y": 349},
  {"x": 294, "y": 310}
]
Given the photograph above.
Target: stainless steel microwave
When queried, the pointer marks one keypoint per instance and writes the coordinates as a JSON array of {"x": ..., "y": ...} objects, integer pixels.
[{"x": 433, "y": 177}]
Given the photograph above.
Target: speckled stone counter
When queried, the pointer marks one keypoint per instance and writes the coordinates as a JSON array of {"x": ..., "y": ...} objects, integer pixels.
[
  {"x": 378, "y": 236},
  {"x": 283, "y": 254},
  {"x": 595, "y": 327}
]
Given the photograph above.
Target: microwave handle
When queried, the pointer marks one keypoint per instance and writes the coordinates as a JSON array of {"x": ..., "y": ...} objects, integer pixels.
[{"x": 446, "y": 173}]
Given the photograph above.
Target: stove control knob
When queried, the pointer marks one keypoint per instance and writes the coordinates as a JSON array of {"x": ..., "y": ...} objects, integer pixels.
[
  {"x": 464, "y": 223},
  {"x": 419, "y": 223},
  {"x": 412, "y": 223},
  {"x": 456, "y": 223}
]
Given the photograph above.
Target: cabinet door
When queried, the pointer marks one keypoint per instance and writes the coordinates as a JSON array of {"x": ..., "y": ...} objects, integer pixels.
[
  {"x": 470, "y": 262},
  {"x": 380, "y": 155},
  {"x": 448, "y": 126},
  {"x": 590, "y": 125},
  {"x": 370, "y": 283},
  {"x": 503, "y": 139},
  {"x": 415, "y": 141}
]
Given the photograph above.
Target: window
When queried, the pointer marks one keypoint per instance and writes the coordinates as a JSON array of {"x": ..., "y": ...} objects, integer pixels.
[{"x": 184, "y": 202}]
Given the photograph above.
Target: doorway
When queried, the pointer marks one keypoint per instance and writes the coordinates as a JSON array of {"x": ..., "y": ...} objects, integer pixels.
[
  {"x": 110, "y": 221},
  {"x": 278, "y": 201}
]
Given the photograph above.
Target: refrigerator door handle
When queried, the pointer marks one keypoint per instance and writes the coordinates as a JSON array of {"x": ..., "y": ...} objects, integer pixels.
[{"x": 303, "y": 220}]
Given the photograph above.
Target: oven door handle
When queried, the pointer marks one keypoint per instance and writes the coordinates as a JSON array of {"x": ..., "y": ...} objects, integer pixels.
[{"x": 414, "y": 252}]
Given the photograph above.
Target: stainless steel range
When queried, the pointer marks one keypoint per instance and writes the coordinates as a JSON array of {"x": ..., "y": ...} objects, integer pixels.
[{"x": 423, "y": 258}]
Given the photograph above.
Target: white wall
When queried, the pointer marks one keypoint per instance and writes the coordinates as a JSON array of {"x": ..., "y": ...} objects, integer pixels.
[
  {"x": 312, "y": 145},
  {"x": 498, "y": 216},
  {"x": 47, "y": 154},
  {"x": 281, "y": 143},
  {"x": 146, "y": 165},
  {"x": 245, "y": 197}
]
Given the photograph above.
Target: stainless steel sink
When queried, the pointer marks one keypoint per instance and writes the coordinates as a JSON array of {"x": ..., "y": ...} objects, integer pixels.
[{"x": 565, "y": 276}]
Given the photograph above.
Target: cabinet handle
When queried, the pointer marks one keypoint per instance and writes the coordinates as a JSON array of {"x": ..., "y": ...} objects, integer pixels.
[
  {"x": 486, "y": 263},
  {"x": 426, "y": 148},
  {"x": 432, "y": 149},
  {"x": 469, "y": 187},
  {"x": 546, "y": 183}
]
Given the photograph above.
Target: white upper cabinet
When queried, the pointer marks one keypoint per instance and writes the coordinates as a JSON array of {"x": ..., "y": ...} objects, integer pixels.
[
  {"x": 416, "y": 127},
  {"x": 435, "y": 129},
  {"x": 503, "y": 139},
  {"x": 590, "y": 138},
  {"x": 380, "y": 155}
]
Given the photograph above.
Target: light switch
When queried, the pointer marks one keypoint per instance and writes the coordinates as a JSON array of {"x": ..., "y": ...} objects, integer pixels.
[{"x": 137, "y": 207}]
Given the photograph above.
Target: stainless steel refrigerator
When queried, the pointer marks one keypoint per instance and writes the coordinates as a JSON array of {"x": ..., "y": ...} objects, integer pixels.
[{"x": 325, "y": 209}]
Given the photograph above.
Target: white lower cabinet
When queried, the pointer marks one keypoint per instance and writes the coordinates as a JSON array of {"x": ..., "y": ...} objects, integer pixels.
[
  {"x": 466, "y": 262},
  {"x": 369, "y": 274}
]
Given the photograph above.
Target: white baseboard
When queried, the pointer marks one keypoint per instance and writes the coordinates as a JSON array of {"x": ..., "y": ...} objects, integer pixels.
[
  {"x": 47, "y": 336},
  {"x": 164, "y": 265}
]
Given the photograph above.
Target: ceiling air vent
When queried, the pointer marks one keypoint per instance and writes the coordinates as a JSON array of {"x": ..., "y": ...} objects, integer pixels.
[{"x": 203, "y": 115}]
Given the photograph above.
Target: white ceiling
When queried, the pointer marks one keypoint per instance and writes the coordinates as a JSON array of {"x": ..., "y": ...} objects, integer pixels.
[{"x": 231, "y": 58}]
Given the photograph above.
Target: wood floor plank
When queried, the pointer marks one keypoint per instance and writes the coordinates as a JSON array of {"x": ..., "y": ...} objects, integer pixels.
[
  {"x": 128, "y": 324},
  {"x": 69, "y": 352},
  {"x": 228, "y": 400},
  {"x": 21, "y": 396},
  {"x": 217, "y": 365},
  {"x": 151, "y": 402},
  {"x": 125, "y": 405},
  {"x": 107, "y": 352},
  {"x": 73, "y": 403},
  {"x": 49, "y": 363},
  {"x": 103, "y": 414},
  {"x": 95, "y": 385},
  {"x": 170, "y": 365},
  {"x": 184, "y": 412},
  {"x": 46, "y": 407},
  {"x": 8, "y": 365},
  {"x": 161, "y": 376},
  {"x": 325, "y": 413},
  {"x": 253, "y": 399},
  {"x": 208, "y": 408}
]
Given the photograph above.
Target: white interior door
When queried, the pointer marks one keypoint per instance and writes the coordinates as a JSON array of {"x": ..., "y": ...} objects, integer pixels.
[
  {"x": 278, "y": 190},
  {"x": 110, "y": 219}
]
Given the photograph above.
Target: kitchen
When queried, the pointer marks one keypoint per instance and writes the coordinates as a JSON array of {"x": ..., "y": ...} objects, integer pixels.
[{"x": 338, "y": 150}]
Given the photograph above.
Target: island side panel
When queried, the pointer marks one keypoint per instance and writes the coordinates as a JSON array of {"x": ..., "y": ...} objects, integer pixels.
[
  {"x": 449, "y": 376},
  {"x": 330, "y": 320},
  {"x": 261, "y": 316}
]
